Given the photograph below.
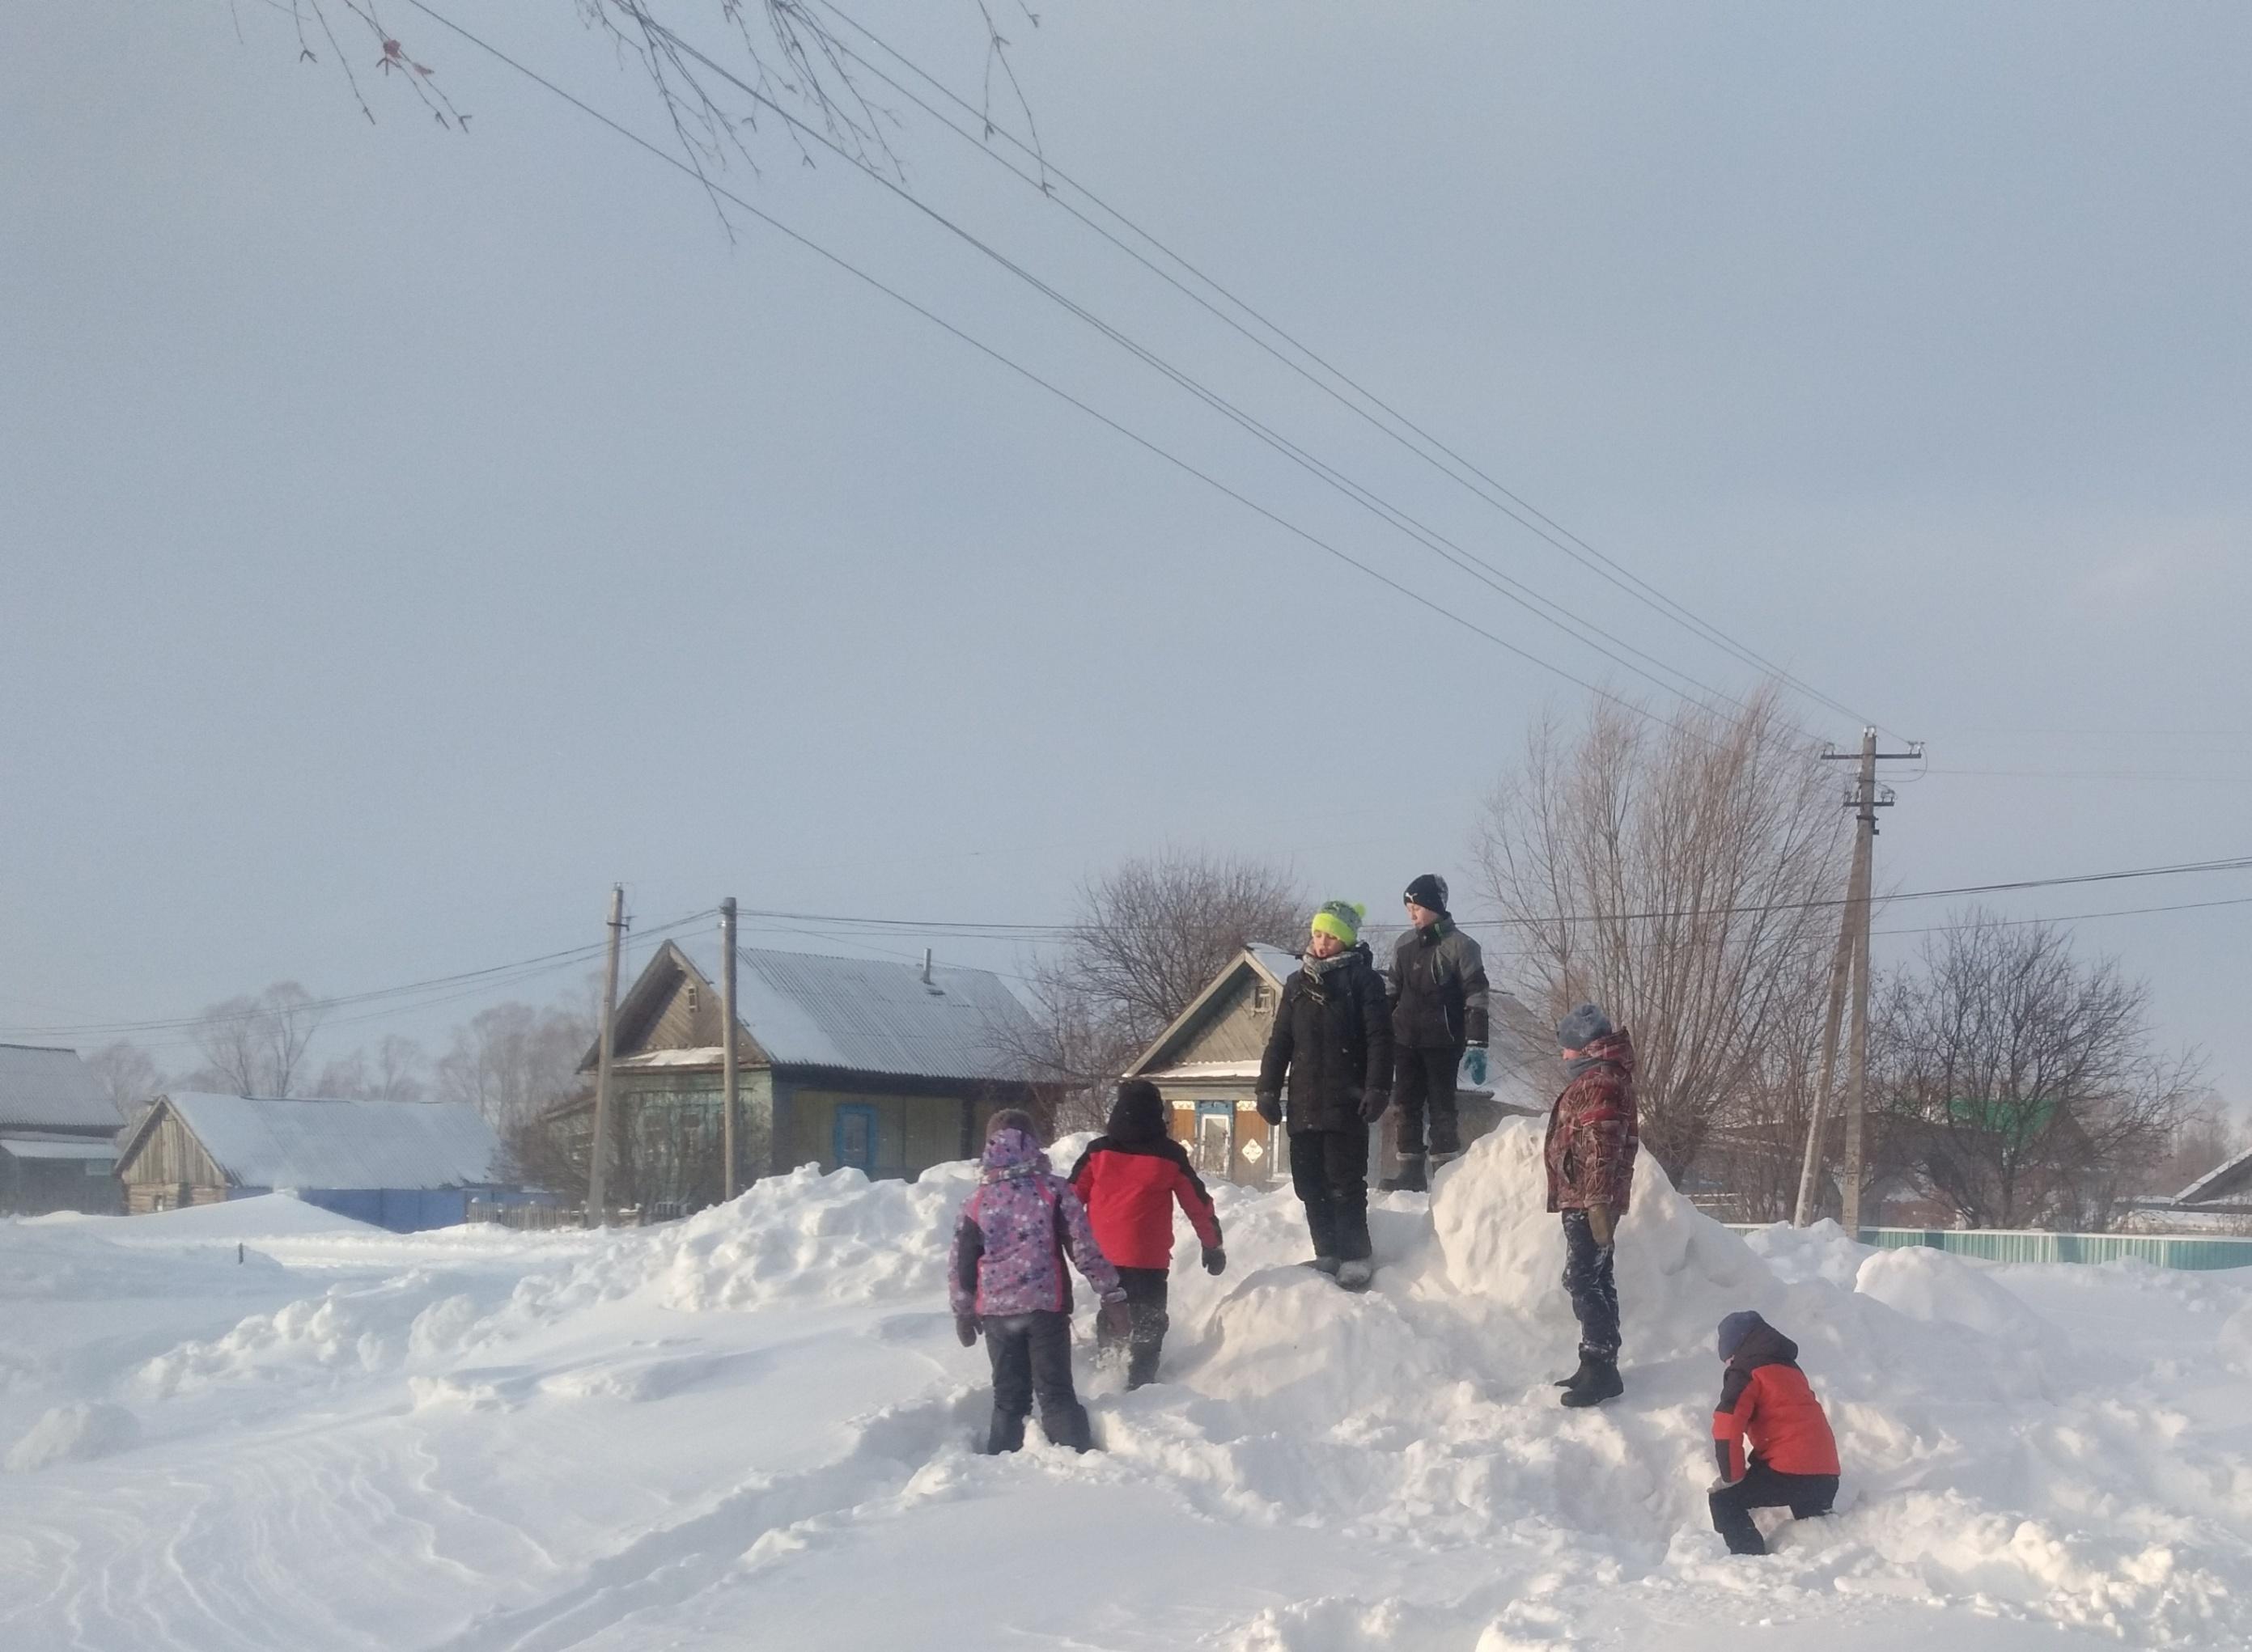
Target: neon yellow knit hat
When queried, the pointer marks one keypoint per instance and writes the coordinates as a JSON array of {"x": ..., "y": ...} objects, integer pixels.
[{"x": 1340, "y": 919}]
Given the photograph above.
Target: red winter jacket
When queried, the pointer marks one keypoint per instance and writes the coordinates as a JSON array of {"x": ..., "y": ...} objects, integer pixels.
[
  {"x": 1130, "y": 1189},
  {"x": 1593, "y": 1134},
  {"x": 1765, "y": 1399}
]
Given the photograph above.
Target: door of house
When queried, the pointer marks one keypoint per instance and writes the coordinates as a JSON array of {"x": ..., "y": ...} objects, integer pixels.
[
  {"x": 1215, "y": 1138},
  {"x": 855, "y": 1137}
]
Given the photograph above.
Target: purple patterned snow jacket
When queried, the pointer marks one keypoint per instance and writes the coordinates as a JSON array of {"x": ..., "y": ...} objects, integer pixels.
[{"x": 1009, "y": 1249}]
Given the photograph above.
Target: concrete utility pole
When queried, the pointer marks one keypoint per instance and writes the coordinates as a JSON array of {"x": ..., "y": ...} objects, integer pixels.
[
  {"x": 1851, "y": 964},
  {"x": 599, "y": 1163},
  {"x": 730, "y": 1078}
]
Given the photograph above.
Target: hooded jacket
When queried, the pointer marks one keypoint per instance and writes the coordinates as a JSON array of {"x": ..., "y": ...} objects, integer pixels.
[
  {"x": 1767, "y": 1403},
  {"x": 1131, "y": 1178},
  {"x": 1334, "y": 1039},
  {"x": 1438, "y": 988},
  {"x": 1593, "y": 1133},
  {"x": 1015, "y": 1232}
]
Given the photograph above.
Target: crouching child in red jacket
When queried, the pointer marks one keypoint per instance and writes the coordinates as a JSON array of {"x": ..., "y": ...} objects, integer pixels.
[
  {"x": 1766, "y": 1402},
  {"x": 1131, "y": 1178},
  {"x": 1006, "y": 1278}
]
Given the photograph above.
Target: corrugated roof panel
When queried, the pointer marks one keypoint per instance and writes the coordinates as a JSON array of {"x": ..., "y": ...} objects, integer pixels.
[
  {"x": 18, "y": 1148},
  {"x": 48, "y": 1089},
  {"x": 870, "y": 1016},
  {"x": 307, "y": 1144}
]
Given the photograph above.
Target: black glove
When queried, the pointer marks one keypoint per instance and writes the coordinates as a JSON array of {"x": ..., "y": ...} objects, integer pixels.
[
  {"x": 1215, "y": 1259},
  {"x": 1375, "y": 1104},
  {"x": 1270, "y": 1108},
  {"x": 965, "y": 1327},
  {"x": 1115, "y": 1317}
]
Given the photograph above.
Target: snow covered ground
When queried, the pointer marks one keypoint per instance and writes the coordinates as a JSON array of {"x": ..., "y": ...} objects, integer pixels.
[{"x": 754, "y": 1428}]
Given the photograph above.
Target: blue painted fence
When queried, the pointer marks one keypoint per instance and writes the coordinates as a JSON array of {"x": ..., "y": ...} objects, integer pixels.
[{"x": 2030, "y": 1244}]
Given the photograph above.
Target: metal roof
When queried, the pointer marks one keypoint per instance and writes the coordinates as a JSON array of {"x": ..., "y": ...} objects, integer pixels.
[
  {"x": 15, "y": 1148},
  {"x": 2233, "y": 1177},
  {"x": 862, "y": 1015},
  {"x": 50, "y": 1089},
  {"x": 307, "y": 1144}
]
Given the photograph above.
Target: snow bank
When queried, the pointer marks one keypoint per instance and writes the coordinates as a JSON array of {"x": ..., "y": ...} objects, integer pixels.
[
  {"x": 838, "y": 1238},
  {"x": 264, "y": 1216},
  {"x": 75, "y": 1433}
]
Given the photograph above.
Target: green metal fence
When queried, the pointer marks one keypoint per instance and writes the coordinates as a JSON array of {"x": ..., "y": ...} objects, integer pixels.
[{"x": 2005, "y": 1245}]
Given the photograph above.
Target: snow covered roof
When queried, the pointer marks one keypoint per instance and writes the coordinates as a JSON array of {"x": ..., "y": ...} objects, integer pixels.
[
  {"x": 305, "y": 1143},
  {"x": 84, "y": 1148},
  {"x": 49, "y": 1089},
  {"x": 2224, "y": 1181},
  {"x": 1206, "y": 1070},
  {"x": 867, "y": 1015}
]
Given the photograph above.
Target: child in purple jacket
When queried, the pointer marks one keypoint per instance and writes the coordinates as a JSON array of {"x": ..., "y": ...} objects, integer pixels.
[{"x": 1006, "y": 1277}]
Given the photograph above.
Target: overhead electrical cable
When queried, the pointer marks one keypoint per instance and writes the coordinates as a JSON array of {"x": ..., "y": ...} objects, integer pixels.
[
  {"x": 1032, "y": 377},
  {"x": 1511, "y": 504},
  {"x": 1464, "y": 560}
]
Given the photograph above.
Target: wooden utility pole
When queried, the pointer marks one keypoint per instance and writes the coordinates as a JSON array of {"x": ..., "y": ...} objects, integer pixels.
[
  {"x": 1850, "y": 965},
  {"x": 599, "y": 1162},
  {"x": 730, "y": 1078}
]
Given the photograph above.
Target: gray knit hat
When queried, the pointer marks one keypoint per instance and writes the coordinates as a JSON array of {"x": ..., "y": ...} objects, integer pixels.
[{"x": 1583, "y": 1027}]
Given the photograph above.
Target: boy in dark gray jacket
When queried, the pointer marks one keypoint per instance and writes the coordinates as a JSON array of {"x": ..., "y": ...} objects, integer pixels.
[{"x": 1438, "y": 989}]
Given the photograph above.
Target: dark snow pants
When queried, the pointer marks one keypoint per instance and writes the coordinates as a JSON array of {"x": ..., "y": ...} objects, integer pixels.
[
  {"x": 1032, "y": 1358},
  {"x": 1145, "y": 1302},
  {"x": 1595, "y": 1292},
  {"x": 1807, "y": 1496},
  {"x": 1423, "y": 1083},
  {"x": 1329, "y": 1170}
]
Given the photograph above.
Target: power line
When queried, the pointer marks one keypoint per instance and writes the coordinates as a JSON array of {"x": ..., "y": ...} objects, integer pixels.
[
  {"x": 995, "y": 930},
  {"x": 1511, "y": 504},
  {"x": 675, "y": 49},
  {"x": 468, "y": 984},
  {"x": 996, "y": 355}
]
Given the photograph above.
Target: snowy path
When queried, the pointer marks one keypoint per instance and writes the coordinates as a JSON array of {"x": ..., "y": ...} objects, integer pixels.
[{"x": 754, "y": 1429}]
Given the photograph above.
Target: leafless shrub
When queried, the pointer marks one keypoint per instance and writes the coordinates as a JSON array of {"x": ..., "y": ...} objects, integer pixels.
[
  {"x": 2027, "y": 1083},
  {"x": 1682, "y": 875}
]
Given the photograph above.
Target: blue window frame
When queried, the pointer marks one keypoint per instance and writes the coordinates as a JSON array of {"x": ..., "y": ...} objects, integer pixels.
[{"x": 854, "y": 1136}]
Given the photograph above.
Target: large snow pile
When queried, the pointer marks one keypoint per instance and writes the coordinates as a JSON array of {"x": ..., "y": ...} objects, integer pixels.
[{"x": 655, "y": 1437}]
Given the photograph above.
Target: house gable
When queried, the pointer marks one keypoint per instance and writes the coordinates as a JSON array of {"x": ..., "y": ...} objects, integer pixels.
[
  {"x": 1228, "y": 1021},
  {"x": 673, "y": 1005}
]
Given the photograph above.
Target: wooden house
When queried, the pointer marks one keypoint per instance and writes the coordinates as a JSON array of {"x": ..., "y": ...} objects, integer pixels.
[
  {"x": 1207, "y": 1066},
  {"x": 57, "y": 1133},
  {"x": 402, "y": 1165},
  {"x": 887, "y": 1068}
]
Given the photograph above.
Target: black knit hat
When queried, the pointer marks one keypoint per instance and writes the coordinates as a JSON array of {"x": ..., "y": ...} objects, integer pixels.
[
  {"x": 1138, "y": 1115},
  {"x": 1428, "y": 892}
]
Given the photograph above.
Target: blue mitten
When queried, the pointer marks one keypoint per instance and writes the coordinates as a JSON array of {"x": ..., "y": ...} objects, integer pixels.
[{"x": 1474, "y": 1067}]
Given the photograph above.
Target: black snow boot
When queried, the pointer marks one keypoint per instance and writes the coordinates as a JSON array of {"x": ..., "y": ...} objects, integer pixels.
[
  {"x": 1602, "y": 1383},
  {"x": 1005, "y": 1434},
  {"x": 1411, "y": 1179},
  {"x": 1579, "y": 1378}
]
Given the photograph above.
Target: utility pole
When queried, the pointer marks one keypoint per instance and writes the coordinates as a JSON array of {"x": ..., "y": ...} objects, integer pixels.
[
  {"x": 599, "y": 1165},
  {"x": 1851, "y": 964},
  {"x": 729, "y": 1077}
]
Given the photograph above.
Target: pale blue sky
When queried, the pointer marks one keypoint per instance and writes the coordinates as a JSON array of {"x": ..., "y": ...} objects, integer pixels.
[{"x": 406, "y": 534}]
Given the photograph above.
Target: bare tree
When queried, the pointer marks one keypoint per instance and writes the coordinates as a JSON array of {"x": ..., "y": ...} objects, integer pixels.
[
  {"x": 1683, "y": 876},
  {"x": 785, "y": 69},
  {"x": 2028, "y": 1083},
  {"x": 129, "y": 1073},
  {"x": 514, "y": 1061},
  {"x": 393, "y": 1073},
  {"x": 257, "y": 1045},
  {"x": 2205, "y": 1140},
  {"x": 1150, "y": 936}
]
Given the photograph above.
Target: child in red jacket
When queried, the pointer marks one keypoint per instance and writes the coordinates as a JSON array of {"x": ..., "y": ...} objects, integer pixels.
[
  {"x": 1129, "y": 1180},
  {"x": 1765, "y": 1401}
]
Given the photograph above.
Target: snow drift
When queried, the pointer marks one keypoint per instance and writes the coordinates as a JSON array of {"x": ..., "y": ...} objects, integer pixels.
[{"x": 769, "y": 1398}]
